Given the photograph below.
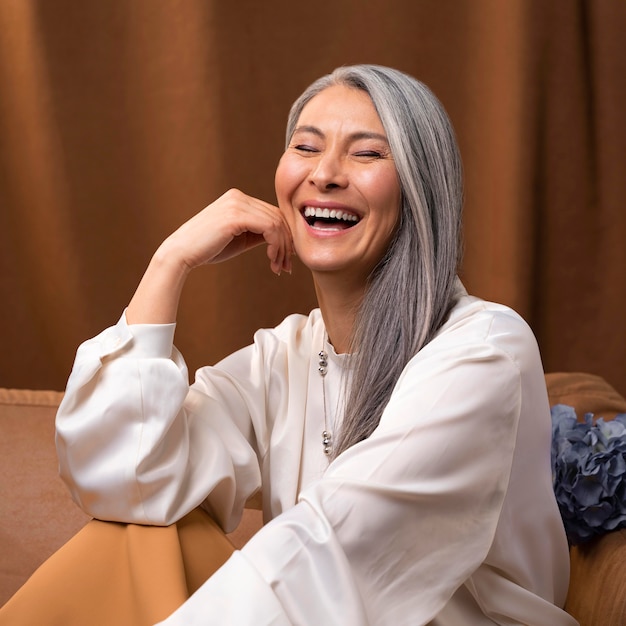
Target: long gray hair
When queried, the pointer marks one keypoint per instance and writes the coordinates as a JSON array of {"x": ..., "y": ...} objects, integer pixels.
[{"x": 411, "y": 290}]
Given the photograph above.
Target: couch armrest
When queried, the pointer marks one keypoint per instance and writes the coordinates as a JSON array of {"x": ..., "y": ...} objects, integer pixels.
[
  {"x": 587, "y": 393},
  {"x": 597, "y": 588}
]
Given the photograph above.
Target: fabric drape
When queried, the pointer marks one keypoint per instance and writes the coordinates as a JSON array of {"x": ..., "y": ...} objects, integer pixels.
[
  {"x": 132, "y": 574},
  {"x": 120, "y": 120}
]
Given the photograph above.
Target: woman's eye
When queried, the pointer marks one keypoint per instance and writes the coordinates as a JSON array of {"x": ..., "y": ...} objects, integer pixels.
[
  {"x": 304, "y": 148},
  {"x": 370, "y": 154}
]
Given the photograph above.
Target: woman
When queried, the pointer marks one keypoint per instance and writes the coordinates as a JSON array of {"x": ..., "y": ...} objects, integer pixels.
[{"x": 400, "y": 434}]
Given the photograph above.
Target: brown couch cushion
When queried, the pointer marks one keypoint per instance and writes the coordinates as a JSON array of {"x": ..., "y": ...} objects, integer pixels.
[
  {"x": 37, "y": 515},
  {"x": 597, "y": 591},
  {"x": 586, "y": 393}
]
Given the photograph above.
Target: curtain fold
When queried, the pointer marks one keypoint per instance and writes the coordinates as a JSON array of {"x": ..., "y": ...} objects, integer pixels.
[
  {"x": 580, "y": 184},
  {"x": 120, "y": 120}
]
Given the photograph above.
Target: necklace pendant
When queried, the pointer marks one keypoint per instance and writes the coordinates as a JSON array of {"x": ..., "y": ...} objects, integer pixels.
[
  {"x": 327, "y": 442},
  {"x": 322, "y": 363},
  {"x": 322, "y": 368}
]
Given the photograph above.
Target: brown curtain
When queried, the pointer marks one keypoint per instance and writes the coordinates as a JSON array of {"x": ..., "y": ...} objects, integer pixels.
[{"x": 121, "y": 119}]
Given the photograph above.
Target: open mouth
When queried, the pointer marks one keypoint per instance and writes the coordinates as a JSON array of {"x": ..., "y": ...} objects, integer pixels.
[{"x": 329, "y": 219}]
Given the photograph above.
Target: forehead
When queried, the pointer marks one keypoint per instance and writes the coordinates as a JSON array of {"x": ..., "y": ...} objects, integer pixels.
[{"x": 341, "y": 106}]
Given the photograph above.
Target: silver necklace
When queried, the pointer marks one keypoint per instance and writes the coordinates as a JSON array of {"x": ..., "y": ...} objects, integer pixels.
[{"x": 327, "y": 437}]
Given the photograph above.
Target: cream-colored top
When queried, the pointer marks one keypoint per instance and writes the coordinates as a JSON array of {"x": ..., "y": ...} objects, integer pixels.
[{"x": 444, "y": 516}]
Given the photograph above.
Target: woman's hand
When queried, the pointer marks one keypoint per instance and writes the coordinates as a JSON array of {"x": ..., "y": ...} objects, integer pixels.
[{"x": 231, "y": 225}]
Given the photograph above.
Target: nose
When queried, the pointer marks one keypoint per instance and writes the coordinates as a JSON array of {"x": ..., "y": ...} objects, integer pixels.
[{"x": 328, "y": 172}]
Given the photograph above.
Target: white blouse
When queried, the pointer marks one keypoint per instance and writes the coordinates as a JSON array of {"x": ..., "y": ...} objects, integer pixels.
[{"x": 444, "y": 516}]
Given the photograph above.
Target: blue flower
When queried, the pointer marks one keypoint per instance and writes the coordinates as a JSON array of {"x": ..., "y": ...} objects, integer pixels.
[{"x": 588, "y": 472}]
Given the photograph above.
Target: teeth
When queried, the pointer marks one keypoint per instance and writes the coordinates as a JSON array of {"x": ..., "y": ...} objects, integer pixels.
[{"x": 329, "y": 213}]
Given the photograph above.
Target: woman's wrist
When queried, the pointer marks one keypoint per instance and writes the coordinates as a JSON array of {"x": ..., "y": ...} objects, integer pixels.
[{"x": 158, "y": 294}]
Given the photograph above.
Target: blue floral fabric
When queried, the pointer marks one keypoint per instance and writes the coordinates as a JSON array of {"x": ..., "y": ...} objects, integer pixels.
[{"x": 589, "y": 470}]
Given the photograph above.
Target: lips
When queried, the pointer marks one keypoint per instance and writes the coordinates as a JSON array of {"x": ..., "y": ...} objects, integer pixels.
[{"x": 329, "y": 219}]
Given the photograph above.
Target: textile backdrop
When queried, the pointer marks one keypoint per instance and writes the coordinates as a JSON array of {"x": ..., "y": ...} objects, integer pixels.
[{"x": 119, "y": 120}]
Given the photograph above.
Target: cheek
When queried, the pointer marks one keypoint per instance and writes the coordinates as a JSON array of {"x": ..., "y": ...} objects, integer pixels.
[
  {"x": 385, "y": 194},
  {"x": 286, "y": 179},
  {"x": 390, "y": 200}
]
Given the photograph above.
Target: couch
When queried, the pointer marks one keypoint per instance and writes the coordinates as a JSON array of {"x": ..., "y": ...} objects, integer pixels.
[{"x": 37, "y": 515}]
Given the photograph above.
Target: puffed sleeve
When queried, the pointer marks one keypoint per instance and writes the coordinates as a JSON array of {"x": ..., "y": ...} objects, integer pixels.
[
  {"x": 136, "y": 445},
  {"x": 400, "y": 520}
]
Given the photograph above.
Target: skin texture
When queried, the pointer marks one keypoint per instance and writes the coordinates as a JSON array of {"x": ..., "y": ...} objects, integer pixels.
[{"x": 338, "y": 159}]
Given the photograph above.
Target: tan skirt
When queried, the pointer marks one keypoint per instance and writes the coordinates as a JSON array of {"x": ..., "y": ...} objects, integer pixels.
[{"x": 120, "y": 574}]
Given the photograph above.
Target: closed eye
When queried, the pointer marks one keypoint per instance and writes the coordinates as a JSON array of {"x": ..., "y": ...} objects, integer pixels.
[
  {"x": 304, "y": 148},
  {"x": 372, "y": 154}
]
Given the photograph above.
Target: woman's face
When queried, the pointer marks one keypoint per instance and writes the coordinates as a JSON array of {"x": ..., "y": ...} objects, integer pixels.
[{"x": 337, "y": 184}]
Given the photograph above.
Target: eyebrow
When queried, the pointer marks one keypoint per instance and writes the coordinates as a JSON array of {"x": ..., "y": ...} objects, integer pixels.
[{"x": 362, "y": 134}]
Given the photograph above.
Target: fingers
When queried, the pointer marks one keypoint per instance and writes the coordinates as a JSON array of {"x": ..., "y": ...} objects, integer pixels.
[
  {"x": 267, "y": 221},
  {"x": 279, "y": 241},
  {"x": 233, "y": 224},
  {"x": 279, "y": 260}
]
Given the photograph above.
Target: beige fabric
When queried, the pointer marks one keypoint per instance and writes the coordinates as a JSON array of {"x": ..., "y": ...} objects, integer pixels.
[{"x": 120, "y": 574}]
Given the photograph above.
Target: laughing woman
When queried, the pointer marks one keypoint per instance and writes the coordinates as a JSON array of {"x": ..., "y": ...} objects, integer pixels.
[{"x": 399, "y": 434}]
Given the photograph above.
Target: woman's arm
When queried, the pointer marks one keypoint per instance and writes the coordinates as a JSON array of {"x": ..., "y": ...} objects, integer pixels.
[
  {"x": 226, "y": 228},
  {"x": 133, "y": 444}
]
